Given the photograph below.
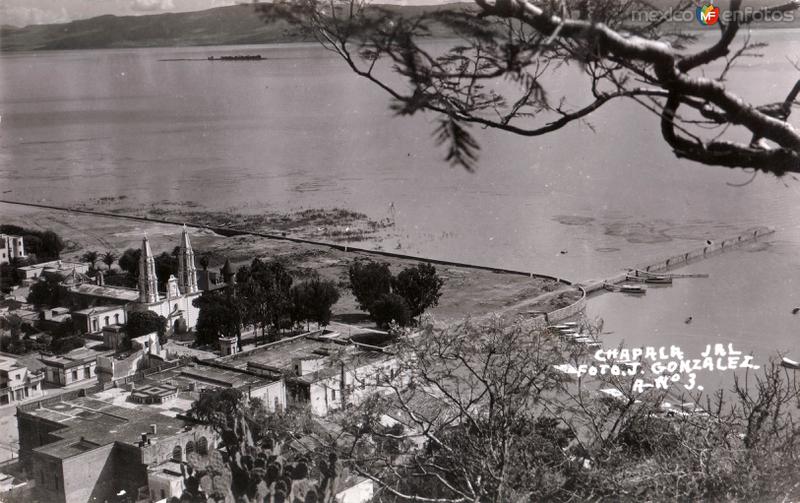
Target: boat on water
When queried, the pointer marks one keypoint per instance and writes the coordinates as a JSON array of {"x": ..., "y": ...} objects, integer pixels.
[
  {"x": 659, "y": 280},
  {"x": 637, "y": 289},
  {"x": 244, "y": 57},
  {"x": 789, "y": 363}
]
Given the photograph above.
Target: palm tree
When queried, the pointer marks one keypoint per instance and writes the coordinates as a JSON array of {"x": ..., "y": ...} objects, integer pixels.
[
  {"x": 108, "y": 258},
  {"x": 91, "y": 256}
]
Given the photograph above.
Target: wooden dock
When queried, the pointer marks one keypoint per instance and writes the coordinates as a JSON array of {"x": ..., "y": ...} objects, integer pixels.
[{"x": 661, "y": 267}]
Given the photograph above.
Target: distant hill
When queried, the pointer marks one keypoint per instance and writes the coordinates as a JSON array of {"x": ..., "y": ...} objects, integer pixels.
[{"x": 231, "y": 25}]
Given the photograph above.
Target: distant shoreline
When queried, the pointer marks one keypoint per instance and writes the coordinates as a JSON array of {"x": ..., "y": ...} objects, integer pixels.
[
  {"x": 230, "y": 26},
  {"x": 309, "y": 43}
]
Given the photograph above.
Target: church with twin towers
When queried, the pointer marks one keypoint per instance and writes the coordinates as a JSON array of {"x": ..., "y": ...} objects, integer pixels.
[{"x": 175, "y": 303}]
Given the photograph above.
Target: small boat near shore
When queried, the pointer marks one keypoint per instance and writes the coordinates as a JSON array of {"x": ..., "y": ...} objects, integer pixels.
[
  {"x": 635, "y": 289},
  {"x": 789, "y": 363}
]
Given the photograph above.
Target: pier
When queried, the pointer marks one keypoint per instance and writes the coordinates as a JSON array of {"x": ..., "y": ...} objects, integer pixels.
[{"x": 661, "y": 267}]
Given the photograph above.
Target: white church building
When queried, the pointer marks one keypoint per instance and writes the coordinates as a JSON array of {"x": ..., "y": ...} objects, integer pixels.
[{"x": 174, "y": 304}]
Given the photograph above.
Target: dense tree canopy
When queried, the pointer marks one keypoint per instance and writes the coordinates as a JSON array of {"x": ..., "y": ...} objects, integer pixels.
[
  {"x": 312, "y": 300},
  {"x": 389, "y": 308},
  {"x": 420, "y": 286},
  {"x": 263, "y": 290},
  {"x": 401, "y": 298},
  {"x": 495, "y": 73},
  {"x": 129, "y": 261},
  {"x": 46, "y": 292},
  {"x": 220, "y": 316},
  {"x": 146, "y": 322},
  {"x": 368, "y": 281}
]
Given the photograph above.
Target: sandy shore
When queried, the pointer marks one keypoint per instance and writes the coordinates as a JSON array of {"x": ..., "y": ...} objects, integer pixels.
[{"x": 466, "y": 292}]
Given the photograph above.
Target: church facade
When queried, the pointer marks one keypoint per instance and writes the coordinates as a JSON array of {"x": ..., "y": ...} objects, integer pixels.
[{"x": 175, "y": 304}]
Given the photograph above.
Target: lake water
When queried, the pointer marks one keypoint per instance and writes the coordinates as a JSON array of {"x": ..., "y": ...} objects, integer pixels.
[{"x": 300, "y": 131}]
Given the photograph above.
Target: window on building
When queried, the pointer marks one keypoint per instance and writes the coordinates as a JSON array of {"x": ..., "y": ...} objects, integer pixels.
[
  {"x": 333, "y": 394},
  {"x": 116, "y": 318},
  {"x": 107, "y": 321},
  {"x": 95, "y": 328},
  {"x": 58, "y": 482},
  {"x": 87, "y": 373},
  {"x": 177, "y": 453},
  {"x": 74, "y": 375},
  {"x": 163, "y": 494},
  {"x": 202, "y": 446},
  {"x": 189, "y": 448}
]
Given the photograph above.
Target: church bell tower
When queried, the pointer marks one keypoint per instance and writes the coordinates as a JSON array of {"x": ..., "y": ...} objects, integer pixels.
[
  {"x": 148, "y": 283},
  {"x": 187, "y": 273}
]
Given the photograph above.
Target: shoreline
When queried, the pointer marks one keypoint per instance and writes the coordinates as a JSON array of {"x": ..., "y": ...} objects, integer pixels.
[
  {"x": 469, "y": 291},
  {"x": 687, "y": 27}
]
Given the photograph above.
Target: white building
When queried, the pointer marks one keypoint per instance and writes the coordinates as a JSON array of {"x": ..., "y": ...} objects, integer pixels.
[
  {"x": 94, "y": 319},
  {"x": 73, "y": 367},
  {"x": 62, "y": 267},
  {"x": 11, "y": 247},
  {"x": 176, "y": 303},
  {"x": 104, "y": 305},
  {"x": 17, "y": 383}
]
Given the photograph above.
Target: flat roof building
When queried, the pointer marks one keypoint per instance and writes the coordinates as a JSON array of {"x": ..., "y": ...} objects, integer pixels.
[
  {"x": 93, "y": 447},
  {"x": 17, "y": 382}
]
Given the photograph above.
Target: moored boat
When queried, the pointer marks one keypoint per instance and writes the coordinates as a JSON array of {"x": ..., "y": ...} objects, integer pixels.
[
  {"x": 789, "y": 363},
  {"x": 659, "y": 280},
  {"x": 638, "y": 289}
]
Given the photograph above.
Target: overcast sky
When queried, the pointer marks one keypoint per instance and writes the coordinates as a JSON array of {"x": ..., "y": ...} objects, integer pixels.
[{"x": 25, "y": 12}]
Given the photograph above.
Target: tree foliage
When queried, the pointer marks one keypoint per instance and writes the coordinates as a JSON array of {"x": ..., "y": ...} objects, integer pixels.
[
  {"x": 62, "y": 345},
  {"x": 46, "y": 292},
  {"x": 263, "y": 289},
  {"x": 91, "y": 257},
  {"x": 389, "y": 308},
  {"x": 479, "y": 413},
  {"x": 220, "y": 316},
  {"x": 256, "y": 465},
  {"x": 497, "y": 71},
  {"x": 487, "y": 417},
  {"x": 312, "y": 300},
  {"x": 129, "y": 261},
  {"x": 368, "y": 281},
  {"x": 108, "y": 258},
  {"x": 387, "y": 297},
  {"x": 146, "y": 322},
  {"x": 420, "y": 286}
]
